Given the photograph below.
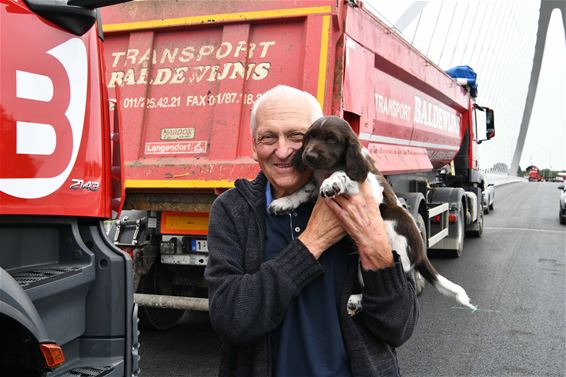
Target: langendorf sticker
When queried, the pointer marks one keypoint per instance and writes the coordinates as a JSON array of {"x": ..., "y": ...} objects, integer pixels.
[{"x": 180, "y": 147}]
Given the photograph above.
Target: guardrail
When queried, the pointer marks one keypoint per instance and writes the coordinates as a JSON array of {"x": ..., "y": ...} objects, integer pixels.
[{"x": 500, "y": 179}]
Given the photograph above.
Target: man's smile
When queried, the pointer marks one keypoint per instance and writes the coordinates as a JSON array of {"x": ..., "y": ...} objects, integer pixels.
[{"x": 283, "y": 165}]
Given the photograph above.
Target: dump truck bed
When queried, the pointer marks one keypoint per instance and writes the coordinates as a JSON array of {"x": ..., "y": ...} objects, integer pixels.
[
  {"x": 188, "y": 76},
  {"x": 188, "y": 73}
]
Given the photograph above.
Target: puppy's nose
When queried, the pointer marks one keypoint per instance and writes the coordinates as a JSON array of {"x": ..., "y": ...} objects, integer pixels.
[{"x": 310, "y": 157}]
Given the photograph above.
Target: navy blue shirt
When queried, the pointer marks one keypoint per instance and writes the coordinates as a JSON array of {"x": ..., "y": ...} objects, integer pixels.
[{"x": 309, "y": 341}]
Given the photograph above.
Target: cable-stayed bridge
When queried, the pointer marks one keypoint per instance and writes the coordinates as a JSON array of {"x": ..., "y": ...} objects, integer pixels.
[{"x": 504, "y": 42}]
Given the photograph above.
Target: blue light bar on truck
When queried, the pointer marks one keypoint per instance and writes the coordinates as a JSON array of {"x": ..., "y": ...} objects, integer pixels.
[{"x": 465, "y": 75}]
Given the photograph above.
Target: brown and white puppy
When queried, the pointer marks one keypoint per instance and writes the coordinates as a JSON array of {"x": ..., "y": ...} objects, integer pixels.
[{"x": 339, "y": 163}]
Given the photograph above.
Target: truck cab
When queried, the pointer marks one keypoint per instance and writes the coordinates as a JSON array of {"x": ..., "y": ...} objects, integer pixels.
[{"x": 66, "y": 296}]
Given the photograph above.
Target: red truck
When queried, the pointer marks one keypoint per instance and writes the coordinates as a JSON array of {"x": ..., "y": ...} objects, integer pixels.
[
  {"x": 533, "y": 174},
  {"x": 66, "y": 292},
  {"x": 189, "y": 72}
]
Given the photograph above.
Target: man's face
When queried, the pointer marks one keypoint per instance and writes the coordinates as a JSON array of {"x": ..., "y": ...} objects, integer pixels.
[{"x": 281, "y": 124}]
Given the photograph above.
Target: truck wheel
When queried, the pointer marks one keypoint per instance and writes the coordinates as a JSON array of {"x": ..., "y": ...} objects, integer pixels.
[
  {"x": 156, "y": 281},
  {"x": 419, "y": 279},
  {"x": 491, "y": 206},
  {"x": 457, "y": 252},
  {"x": 19, "y": 354}
]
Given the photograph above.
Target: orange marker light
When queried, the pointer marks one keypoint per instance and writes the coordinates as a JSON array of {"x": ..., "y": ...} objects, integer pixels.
[{"x": 53, "y": 354}]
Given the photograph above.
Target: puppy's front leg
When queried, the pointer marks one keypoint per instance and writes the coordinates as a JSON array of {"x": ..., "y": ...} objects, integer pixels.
[
  {"x": 289, "y": 203},
  {"x": 338, "y": 183},
  {"x": 354, "y": 305}
]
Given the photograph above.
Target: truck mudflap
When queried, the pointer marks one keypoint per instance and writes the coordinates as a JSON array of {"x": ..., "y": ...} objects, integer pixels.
[
  {"x": 472, "y": 207},
  {"x": 474, "y": 212}
]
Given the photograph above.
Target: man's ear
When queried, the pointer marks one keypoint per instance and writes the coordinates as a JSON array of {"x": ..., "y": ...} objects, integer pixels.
[
  {"x": 298, "y": 160},
  {"x": 357, "y": 167}
]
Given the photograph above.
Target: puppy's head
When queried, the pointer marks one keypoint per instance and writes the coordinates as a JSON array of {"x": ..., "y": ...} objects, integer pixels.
[{"x": 331, "y": 144}]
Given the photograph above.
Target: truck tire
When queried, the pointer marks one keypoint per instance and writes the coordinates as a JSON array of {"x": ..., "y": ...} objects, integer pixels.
[
  {"x": 457, "y": 252},
  {"x": 419, "y": 279},
  {"x": 19, "y": 355},
  {"x": 156, "y": 281}
]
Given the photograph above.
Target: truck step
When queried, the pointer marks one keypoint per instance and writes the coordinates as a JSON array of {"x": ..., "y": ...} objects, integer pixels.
[
  {"x": 41, "y": 275},
  {"x": 88, "y": 372}
]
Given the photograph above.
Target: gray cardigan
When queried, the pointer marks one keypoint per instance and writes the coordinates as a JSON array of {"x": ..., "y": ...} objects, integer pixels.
[{"x": 249, "y": 297}]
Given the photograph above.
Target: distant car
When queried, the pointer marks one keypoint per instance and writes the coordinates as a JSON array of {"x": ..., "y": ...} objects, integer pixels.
[
  {"x": 562, "y": 213},
  {"x": 488, "y": 198}
]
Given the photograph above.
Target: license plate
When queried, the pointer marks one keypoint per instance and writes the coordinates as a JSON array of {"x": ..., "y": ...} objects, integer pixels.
[{"x": 199, "y": 246}]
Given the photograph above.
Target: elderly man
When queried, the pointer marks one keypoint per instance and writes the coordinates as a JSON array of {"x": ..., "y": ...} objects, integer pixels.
[{"x": 279, "y": 285}]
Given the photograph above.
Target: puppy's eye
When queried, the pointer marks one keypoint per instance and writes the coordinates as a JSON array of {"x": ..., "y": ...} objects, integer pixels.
[{"x": 331, "y": 140}]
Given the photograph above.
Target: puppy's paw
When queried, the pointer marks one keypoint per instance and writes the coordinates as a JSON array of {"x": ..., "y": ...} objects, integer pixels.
[
  {"x": 354, "y": 304},
  {"x": 333, "y": 186},
  {"x": 291, "y": 202},
  {"x": 281, "y": 206}
]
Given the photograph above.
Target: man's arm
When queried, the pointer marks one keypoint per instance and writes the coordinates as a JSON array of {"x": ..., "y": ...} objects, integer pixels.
[
  {"x": 245, "y": 306},
  {"x": 389, "y": 300},
  {"x": 390, "y": 308}
]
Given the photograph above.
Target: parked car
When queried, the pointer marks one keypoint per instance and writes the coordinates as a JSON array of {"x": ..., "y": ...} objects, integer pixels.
[
  {"x": 562, "y": 213},
  {"x": 488, "y": 198}
]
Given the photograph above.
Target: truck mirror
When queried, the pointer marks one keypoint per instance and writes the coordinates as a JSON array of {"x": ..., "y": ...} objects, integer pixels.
[
  {"x": 93, "y": 4},
  {"x": 75, "y": 16},
  {"x": 489, "y": 123}
]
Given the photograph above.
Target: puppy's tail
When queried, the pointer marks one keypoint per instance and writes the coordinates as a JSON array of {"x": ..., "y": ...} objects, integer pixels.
[{"x": 443, "y": 285}]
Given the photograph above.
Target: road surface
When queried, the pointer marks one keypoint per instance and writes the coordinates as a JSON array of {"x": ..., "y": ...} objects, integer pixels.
[{"x": 514, "y": 273}]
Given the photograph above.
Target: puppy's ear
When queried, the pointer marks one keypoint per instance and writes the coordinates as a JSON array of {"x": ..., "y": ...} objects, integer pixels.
[
  {"x": 357, "y": 167},
  {"x": 298, "y": 159}
]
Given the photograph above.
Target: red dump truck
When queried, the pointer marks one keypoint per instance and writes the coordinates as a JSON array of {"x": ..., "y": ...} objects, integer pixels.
[
  {"x": 533, "y": 174},
  {"x": 188, "y": 73},
  {"x": 66, "y": 292}
]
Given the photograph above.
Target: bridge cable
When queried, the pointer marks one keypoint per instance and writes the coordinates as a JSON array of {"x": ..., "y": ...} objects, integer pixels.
[
  {"x": 456, "y": 44},
  {"x": 495, "y": 60},
  {"x": 482, "y": 34},
  {"x": 506, "y": 57},
  {"x": 478, "y": 34},
  {"x": 434, "y": 29},
  {"x": 447, "y": 33},
  {"x": 416, "y": 28},
  {"x": 469, "y": 34},
  {"x": 491, "y": 45}
]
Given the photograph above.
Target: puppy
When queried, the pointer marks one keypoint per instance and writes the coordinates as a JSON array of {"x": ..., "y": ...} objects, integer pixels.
[{"x": 339, "y": 163}]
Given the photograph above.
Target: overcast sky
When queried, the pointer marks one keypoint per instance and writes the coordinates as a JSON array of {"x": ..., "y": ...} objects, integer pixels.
[{"x": 497, "y": 39}]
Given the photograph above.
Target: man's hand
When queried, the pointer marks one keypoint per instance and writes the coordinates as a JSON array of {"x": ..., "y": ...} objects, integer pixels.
[
  {"x": 323, "y": 229},
  {"x": 360, "y": 217}
]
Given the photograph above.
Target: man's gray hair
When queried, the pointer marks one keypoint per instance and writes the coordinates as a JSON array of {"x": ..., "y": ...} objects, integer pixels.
[{"x": 284, "y": 90}]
